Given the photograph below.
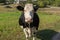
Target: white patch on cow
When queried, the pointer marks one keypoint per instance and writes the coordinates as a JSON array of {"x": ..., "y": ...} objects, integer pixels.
[
  {"x": 21, "y": 27},
  {"x": 28, "y": 12},
  {"x": 33, "y": 38}
]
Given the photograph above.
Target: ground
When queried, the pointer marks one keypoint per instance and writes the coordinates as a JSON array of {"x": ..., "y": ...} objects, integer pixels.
[{"x": 10, "y": 29}]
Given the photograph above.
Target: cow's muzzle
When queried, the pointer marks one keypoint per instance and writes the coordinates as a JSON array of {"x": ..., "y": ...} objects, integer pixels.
[{"x": 28, "y": 20}]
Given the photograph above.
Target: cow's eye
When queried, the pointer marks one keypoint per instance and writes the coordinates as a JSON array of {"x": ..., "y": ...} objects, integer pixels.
[{"x": 31, "y": 13}]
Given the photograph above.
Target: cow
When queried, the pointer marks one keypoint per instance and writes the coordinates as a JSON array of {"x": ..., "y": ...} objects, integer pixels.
[{"x": 29, "y": 20}]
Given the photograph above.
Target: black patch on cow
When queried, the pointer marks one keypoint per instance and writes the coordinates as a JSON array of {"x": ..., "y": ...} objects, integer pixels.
[
  {"x": 35, "y": 22},
  {"x": 36, "y": 7}
]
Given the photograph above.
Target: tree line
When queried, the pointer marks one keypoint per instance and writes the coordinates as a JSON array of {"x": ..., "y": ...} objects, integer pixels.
[{"x": 41, "y": 3}]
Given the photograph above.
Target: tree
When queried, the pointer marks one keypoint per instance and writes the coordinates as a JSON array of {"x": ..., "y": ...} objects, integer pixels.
[
  {"x": 1, "y": 1},
  {"x": 57, "y": 3}
]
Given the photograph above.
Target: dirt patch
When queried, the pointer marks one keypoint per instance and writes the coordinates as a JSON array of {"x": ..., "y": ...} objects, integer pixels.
[{"x": 50, "y": 10}]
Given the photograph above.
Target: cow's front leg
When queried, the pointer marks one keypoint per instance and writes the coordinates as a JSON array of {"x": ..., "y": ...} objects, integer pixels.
[
  {"x": 34, "y": 33},
  {"x": 34, "y": 36},
  {"x": 26, "y": 33},
  {"x": 29, "y": 32}
]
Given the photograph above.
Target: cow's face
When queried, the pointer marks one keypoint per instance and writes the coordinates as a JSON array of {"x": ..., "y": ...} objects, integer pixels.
[{"x": 28, "y": 10}]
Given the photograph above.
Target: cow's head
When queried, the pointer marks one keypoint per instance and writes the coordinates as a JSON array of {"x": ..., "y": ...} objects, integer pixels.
[{"x": 29, "y": 11}]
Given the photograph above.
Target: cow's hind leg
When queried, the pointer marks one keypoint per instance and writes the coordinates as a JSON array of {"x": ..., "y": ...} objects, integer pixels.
[{"x": 29, "y": 33}]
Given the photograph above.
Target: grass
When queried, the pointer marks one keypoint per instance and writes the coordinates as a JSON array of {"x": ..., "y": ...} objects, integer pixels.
[
  {"x": 49, "y": 21},
  {"x": 10, "y": 29}
]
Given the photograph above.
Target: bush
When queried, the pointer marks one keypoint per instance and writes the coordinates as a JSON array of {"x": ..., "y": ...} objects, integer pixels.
[{"x": 41, "y": 4}]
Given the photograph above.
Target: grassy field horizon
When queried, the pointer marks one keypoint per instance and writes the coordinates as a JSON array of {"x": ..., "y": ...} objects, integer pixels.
[{"x": 10, "y": 29}]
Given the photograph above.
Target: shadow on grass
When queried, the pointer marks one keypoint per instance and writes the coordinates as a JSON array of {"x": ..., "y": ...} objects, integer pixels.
[{"x": 46, "y": 34}]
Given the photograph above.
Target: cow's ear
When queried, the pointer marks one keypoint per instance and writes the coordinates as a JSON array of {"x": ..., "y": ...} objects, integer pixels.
[
  {"x": 20, "y": 8},
  {"x": 35, "y": 7}
]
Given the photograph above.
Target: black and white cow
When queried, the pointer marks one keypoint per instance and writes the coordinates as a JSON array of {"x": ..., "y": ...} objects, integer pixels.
[{"x": 29, "y": 20}]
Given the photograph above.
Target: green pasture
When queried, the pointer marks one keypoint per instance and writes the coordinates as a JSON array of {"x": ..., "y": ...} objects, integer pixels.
[{"x": 10, "y": 29}]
